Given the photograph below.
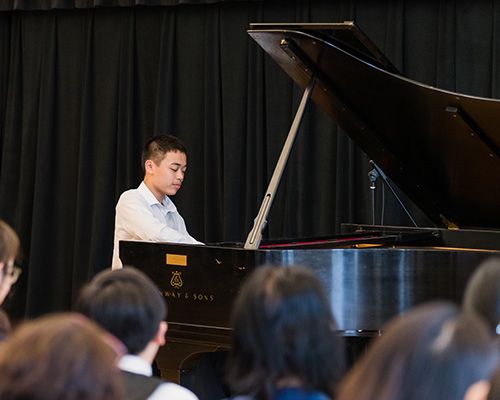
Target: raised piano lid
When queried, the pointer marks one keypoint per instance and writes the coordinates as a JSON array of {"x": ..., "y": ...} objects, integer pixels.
[{"x": 441, "y": 148}]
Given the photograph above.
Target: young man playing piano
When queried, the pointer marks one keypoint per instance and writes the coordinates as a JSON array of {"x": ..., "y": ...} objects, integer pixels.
[{"x": 147, "y": 213}]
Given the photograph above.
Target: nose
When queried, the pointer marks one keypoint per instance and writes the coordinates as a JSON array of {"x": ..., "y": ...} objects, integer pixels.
[{"x": 180, "y": 175}]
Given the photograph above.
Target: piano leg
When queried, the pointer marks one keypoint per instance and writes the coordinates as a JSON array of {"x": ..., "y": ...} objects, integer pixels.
[
  {"x": 357, "y": 343},
  {"x": 199, "y": 368},
  {"x": 177, "y": 357}
]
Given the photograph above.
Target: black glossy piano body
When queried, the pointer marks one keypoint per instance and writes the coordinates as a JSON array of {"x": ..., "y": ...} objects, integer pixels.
[
  {"x": 366, "y": 285},
  {"x": 440, "y": 148}
]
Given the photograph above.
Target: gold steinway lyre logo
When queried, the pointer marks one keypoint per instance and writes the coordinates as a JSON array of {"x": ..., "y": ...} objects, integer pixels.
[{"x": 176, "y": 280}]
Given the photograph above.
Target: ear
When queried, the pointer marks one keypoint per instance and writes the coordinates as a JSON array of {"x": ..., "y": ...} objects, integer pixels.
[
  {"x": 159, "y": 338},
  {"x": 478, "y": 391},
  {"x": 149, "y": 166}
]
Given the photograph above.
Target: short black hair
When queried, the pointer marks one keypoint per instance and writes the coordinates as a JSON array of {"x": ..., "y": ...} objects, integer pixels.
[
  {"x": 157, "y": 146},
  {"x": 482, "y": 293},
  {"x": 283, "y": 327},
  {"x": 126, "y": 303}
]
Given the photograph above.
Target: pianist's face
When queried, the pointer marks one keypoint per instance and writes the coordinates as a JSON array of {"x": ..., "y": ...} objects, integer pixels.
[{"x": 166, "y": 178}]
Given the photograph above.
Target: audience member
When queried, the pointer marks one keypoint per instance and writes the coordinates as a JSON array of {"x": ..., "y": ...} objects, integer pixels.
[
  {"x": 482, "y": 293},
  {"x": 59, "y": 357},
  {"x": 283, "y": 344},
  {"x": 128, "y": 304},
  {"x": 433, "y": 351},
  {"x": 9, "y": 251},
  {"x": 5, "y": 326}
]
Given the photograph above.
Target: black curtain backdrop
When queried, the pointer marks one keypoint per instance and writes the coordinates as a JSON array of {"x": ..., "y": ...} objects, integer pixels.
[
  {"x": 82, "y": 89},
  {"x": 6, "y": 5}
]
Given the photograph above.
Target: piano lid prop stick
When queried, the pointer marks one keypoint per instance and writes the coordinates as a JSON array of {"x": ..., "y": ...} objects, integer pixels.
[{"x": 255, "y": 235}]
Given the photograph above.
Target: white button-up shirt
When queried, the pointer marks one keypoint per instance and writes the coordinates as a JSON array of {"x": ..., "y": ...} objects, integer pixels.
[{"x": 140, "y": 216}]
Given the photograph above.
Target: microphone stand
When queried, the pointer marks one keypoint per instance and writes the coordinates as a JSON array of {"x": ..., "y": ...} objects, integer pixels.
[{"x": 373, "y": 175}]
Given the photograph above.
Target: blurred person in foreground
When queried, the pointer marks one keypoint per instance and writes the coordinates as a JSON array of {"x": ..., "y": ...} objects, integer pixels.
[
  {"x": 129, "y": 305},
  {"x": 9, "y": 251},
  {"x": 9, "y": 273},
  {"x": 62, "y": 356},
  {"x": 284, "y": 344},
  {"x": 482, "y": 292},
  {"x": 433, "y": 351}
]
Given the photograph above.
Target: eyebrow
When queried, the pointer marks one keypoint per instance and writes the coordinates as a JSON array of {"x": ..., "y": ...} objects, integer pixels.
[{"x": 178, "y": 165}]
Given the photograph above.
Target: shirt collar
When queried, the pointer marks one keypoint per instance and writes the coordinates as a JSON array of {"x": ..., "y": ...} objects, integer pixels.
[
  {"x": 135, "y": 364},
  {"x": 152, "y": 200}
]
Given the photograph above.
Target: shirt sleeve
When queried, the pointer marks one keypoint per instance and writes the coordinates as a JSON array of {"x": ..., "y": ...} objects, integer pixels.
[{"x": 135, "y": 217}]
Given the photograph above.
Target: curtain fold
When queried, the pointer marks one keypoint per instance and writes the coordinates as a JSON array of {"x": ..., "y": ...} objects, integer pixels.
[
  {"x": 82, "y": 89},
  {"x": 31, "y": 5}
]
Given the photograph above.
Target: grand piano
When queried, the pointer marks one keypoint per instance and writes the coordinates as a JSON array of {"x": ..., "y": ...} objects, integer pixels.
[{"x": 440, "y": 148}]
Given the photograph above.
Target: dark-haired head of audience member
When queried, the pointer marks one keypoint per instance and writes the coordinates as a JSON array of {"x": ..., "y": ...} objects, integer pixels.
[
  {"x": 59, "y": 357},
  {"x": 433, "y": 351},
  {"x": 9, "y": 251},
  {"x": 482, "y": 293},
  {"x": 283, "y": 335},
  {"x": 127, "y": 304}
]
